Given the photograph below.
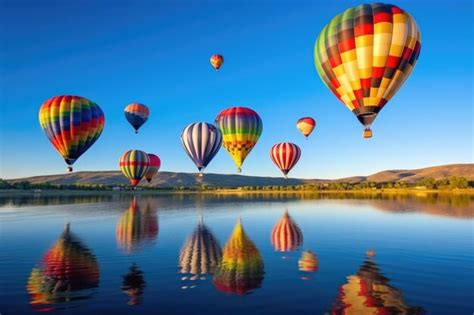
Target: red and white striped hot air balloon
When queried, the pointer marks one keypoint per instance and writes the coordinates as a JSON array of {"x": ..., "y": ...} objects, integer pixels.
[
  {"x": 306, "y": 126},
  {"x": 285, "y": 155},
  {"x": 286, "y": 234}
]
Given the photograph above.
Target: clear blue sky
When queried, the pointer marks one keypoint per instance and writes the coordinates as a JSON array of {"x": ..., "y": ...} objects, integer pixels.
[{"x": 157, "y": 53}]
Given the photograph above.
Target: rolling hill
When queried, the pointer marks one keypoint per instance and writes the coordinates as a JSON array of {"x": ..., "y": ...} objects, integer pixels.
[{"x": 171, "y": 179}]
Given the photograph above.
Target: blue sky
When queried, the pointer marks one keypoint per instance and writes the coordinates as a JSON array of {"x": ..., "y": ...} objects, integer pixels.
[{"x": 157, "y": 53}]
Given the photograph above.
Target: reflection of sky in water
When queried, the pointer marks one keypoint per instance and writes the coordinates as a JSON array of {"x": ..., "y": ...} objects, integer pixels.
[{"x": 427, "y": 257}]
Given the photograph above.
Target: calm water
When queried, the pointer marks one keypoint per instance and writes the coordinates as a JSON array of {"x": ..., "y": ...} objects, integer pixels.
[{"x": 121, "y": 254}]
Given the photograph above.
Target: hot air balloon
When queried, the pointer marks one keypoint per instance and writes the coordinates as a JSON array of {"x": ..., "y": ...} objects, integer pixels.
[
  {"x": 240, "y": 127},
  {"x": 286, "y": 234},
  {"x": 201, "y": 141},
  {"x": 217, "y": 61},
  {"x": 133, "y": 284},
  {"x": 200, "y": 254},
  {"x": 241, "y": 267},
  {"x": 369, "y": 292},
  {"x": 365, "y": 54},
  {"x": 306, "y": 126},
  {"x": 285, "y": 155},
  {"x": 72, "y": 124},
  {"x": 136, "y": 228},
  {"x": 134, "y": 165},
  {"x": 308, "y": 262},
  {"x": 67, "y": 269},
  {"x": 136, "y": 114},
  {"x": 153, "y": 167}
]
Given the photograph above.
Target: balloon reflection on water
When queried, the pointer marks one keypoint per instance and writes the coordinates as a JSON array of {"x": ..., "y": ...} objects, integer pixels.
[
  {"x": 67, "y": 269},
  {"x": 133, "y": 285}
]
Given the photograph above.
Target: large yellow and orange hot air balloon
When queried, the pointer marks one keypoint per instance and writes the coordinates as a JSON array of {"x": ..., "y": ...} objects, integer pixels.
[
  {"x": 241, "y": 268},
  {"x": 68, "y": 268},
  {"x": 365, "y": 54},
  {"x": 286, "y": 234},
  {"x": 136, "y": 228},
  {"x": 369, "y": 292}
]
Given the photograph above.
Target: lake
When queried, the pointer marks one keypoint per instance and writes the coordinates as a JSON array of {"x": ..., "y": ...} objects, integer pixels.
[{"x": 231, "y": 254}]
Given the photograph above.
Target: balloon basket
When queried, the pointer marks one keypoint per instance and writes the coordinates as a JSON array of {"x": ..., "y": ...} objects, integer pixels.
[
  {"x": 69, "y": 169},
  {"x": 367, "y": 133}
]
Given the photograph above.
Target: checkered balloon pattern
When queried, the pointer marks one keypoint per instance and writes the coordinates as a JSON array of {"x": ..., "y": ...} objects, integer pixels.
[{"x": 365, "y": 54}]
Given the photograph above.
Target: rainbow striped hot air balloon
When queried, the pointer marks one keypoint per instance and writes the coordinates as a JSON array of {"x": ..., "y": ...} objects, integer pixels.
[
  {"x": 306, "y": 126},
  {"x": 153, "y": 167},
  {"x": 72, "y": 124},
  {"x": 67, "y": 269},
  {"x": 136, "y": 114},
  {"x": 286, "y": 234},
  {"x": 136, "y": 228},
  {"x": 241, "y": 268},
  {"x": 200, "y": 254},
  {"x": 241, "y": 128},
  {"x": 216, "y": 61},
  {"x": 365, "y": 54},
  {"x": 201, "y": 141},
  {"x": 285, "y": 155},
  {"x": 134, "y": 165}
]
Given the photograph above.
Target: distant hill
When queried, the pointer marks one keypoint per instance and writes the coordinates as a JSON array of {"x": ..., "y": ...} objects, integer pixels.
[{"x": 171, "y": 179}]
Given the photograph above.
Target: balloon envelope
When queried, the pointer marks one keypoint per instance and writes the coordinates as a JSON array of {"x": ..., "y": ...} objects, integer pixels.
[
  {"x": 134, "y": 165},
  {"x": 153, "y": 167},
  {"x": 241, "y": 128},
  {"x": 136, "y": 114},
  {"x": 72, "y": 124},
  {"x": 365, "y": 54},
  {"x": 286, "y": 234},
  {"x": 217, "y": 61},
  {"x": 306, "y": 125},
  {"x": 201, "y": 141},
  {"x": 285, "y": 155}
]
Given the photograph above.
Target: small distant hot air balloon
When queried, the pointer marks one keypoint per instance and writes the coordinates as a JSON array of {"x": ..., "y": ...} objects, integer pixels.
[
  {"x": 241, "y": 268},
  {"x": 241, "y": 128},
  {"x": 136, "y": 114},
  {"x": 200, "y": 254},
  {"x": 133, "y": 285},
  {"x": 136, "y": 228},
  {"x": 134, "y": 165},
  {"x": 68, "y": 268},
  {"x": 365, "y": 54},
  {"x": 306, "y": 126},
  {"x": 72, "y": 124},
  {"x": 153, "y": 167},
  {"x": 201, "y": 141},
  {"x": 285, "y": 155},
  {"x": 308, "y": 262},
  {"x": 217, "y": 61},
  {"x": 286, "y": 234}
]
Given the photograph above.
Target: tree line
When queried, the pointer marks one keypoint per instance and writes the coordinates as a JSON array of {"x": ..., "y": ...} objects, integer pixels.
[{"x": 454, "y": 182}]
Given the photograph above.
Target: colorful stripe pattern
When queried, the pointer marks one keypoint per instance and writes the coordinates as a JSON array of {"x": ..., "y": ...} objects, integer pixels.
[
  {"x": 241, "y": 268},
  {"x": 241, "y": 128},
  {"x": 67, "y": 268},
  {"x": 306, "y": 125},
  {"x": 217, "y": 61},
  {"x": 134, "y": 165},
  {"x": 286, "y": 234},
  {"x": 153, "y": 167},
  {"x": 72, "y": 124},
  {"x": 136, "y": 114},
  {"x": 201, "y": 141},
  {"x": 136, "y": 228},
  {"x": 285, "y": 155},
  {"x": 201, "y": 252},
  {"x": 365, "y": 54}
]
